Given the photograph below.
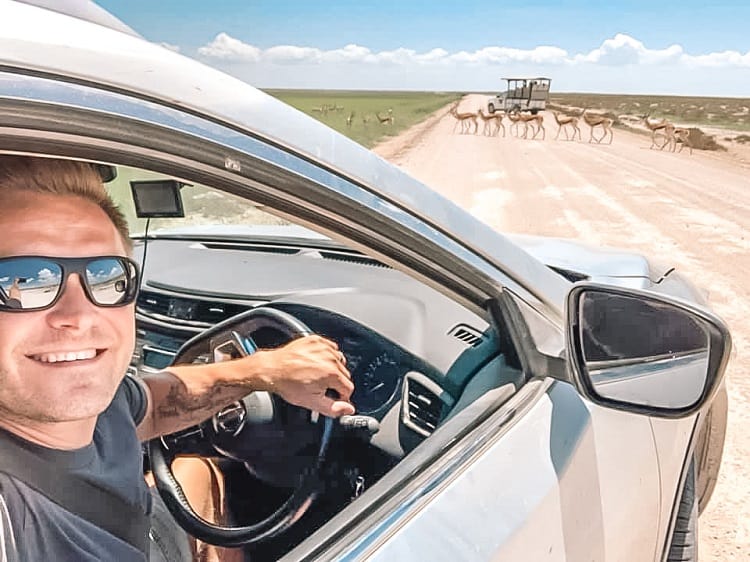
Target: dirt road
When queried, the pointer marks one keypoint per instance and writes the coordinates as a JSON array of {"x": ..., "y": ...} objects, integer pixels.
[{"x": 690, "y": 211}]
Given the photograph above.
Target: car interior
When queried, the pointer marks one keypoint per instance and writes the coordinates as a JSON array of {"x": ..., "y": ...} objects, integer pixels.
[{"x": 223, "y": 276}]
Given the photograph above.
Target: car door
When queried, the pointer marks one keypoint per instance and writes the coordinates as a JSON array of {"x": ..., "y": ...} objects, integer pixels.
[{"x": 547, "y": 476}]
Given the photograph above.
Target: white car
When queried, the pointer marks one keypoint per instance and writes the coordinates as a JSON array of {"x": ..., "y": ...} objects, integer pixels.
[{"x": 518, "y": 398}]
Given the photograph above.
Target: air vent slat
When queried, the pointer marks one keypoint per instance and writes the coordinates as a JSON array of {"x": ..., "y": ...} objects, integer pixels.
[
  {"x": 265, "y": 248},
  {"x": 352, "y": 258},
  {"x": 425, "y": 408},
  {"x": 466, "y": 334}
]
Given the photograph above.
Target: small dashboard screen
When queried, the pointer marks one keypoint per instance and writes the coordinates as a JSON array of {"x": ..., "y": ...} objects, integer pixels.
[{"x": 156, "y": 358}]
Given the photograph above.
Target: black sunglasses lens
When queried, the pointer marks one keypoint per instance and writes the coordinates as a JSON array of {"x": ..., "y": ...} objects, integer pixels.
[
  {"x": 110, "y": 281},
  {"x": 28, "y": 283}
]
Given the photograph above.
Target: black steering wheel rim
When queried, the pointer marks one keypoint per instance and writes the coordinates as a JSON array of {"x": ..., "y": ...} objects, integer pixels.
[{"x": 310, "y": 482}]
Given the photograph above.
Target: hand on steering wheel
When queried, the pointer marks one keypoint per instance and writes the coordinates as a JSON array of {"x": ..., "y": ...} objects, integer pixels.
[
  {"x": 293, "y": 373},
  {"x": 291, "y": 377}
]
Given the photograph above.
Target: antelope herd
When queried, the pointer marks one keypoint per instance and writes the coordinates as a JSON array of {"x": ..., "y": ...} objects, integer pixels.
[
  {"x": 663, "y": 133},
  {"x": 600, "y": 126},
  {"x": 532, "y": 123}
]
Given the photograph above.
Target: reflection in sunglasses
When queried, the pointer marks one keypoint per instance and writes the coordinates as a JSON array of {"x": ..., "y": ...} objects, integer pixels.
[{"x": 34, "y": 283}]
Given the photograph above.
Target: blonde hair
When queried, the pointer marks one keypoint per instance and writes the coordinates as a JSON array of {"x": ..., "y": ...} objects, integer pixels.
[{"x": 61, "y": 177}]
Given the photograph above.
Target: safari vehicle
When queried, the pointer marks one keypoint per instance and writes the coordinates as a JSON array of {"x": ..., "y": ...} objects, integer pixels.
[
  {"x": 521, "y": 94},
  {"x": 519, "y": 398}
]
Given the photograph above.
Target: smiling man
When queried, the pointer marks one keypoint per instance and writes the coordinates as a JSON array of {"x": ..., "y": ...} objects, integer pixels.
[{"x": 65, "y": 346}]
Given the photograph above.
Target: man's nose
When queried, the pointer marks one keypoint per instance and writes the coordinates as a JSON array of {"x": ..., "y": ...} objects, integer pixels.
[{"x": 73, "y": 309}]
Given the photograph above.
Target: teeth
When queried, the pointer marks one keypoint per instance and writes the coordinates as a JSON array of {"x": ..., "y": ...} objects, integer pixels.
[{"x": 66, "y": 356}]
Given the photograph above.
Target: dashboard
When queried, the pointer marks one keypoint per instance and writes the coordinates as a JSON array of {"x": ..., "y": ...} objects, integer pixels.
[{"x": 408, "y": 347}]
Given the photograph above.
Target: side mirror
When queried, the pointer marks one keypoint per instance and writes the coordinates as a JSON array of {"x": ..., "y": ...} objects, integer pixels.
[{"x": 643, "y": 352}]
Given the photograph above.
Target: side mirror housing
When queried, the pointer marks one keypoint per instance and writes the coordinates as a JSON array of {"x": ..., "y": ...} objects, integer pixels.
[{"x": 643, "y": 352}]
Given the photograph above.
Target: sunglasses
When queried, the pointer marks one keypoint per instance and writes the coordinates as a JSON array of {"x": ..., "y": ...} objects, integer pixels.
[{"x": 36, "y": 282}]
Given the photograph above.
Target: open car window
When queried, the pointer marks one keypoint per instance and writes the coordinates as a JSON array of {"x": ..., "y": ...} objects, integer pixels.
[{"x": 227, "y": 255}]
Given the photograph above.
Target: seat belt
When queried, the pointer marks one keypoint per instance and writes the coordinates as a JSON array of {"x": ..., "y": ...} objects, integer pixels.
[{"x": 80, "y": 497}]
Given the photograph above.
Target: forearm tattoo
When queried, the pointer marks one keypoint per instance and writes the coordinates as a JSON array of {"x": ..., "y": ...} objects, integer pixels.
[{"x": 180, "y": 402}]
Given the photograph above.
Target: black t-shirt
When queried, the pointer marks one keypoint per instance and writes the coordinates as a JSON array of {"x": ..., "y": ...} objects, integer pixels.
[{"x": 41, "y": 530}]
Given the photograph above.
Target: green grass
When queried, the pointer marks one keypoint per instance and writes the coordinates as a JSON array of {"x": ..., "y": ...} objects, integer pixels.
[
  {"x": 728, "y": 113},
  {"x": 408, "y": 108}
]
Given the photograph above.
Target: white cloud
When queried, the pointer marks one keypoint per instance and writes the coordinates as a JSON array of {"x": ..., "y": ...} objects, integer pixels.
[
  {"x": 289, "y": 54},
  {"x": 350, "y": 53},
  {"x": 225, "y": 47},
  {"x": 622, "y": 49},
  {"x": 722, "y": 59},
  {"x": 47, "y": 275},
  {"x": 598, "y": 69},
  {"x": 114, "y": 272},
  {"x": 504, "y": 55},
  {"x": 4, "y": 279}
]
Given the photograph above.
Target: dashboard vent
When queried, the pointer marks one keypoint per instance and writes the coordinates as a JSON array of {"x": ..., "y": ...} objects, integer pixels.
[
  {"x": 352, "y": 258},
  {"x": 423, "y": 408},
  {"x": 468, "y": 335},
  {"x": 268, "y": 249}
]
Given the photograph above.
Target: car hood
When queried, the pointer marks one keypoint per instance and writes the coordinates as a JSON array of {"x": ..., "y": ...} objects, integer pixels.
[
  {"x": 592, "y": 262},
  {"x": 572, "y": 259}
]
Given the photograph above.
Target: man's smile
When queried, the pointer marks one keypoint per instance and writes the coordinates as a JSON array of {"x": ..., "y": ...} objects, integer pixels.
[{"x": 66, "y": 356}]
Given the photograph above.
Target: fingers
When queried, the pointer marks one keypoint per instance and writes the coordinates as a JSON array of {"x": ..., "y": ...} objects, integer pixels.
[
  {"x": 334, "y": 408},
  {"x": 340, "y": 408},
  {"x": 336, "y": 354},
  {"x": 341, "y": 384}
]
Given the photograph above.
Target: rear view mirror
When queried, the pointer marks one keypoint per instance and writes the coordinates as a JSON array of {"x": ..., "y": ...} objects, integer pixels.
[{"x": 644, "y": 352}]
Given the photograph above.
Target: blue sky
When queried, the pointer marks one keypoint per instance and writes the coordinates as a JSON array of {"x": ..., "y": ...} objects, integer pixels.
[{"x": 662, "y": 46}]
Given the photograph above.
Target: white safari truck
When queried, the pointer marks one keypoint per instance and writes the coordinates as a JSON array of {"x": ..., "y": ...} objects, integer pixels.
[{"x": 521, "y": 94}]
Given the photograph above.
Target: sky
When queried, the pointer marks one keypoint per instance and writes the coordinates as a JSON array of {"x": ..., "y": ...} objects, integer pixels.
[{"x": 638, "y": 47}]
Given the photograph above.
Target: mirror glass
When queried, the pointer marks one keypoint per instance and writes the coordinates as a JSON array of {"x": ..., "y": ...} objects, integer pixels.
[{"x": 643, "y": 351}]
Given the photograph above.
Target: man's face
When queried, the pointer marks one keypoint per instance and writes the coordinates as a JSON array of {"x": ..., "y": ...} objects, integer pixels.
[{"x": 31, "y": 386}]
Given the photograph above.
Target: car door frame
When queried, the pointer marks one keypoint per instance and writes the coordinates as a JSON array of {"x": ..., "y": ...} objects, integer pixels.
[{"x": 115, "y": 127}]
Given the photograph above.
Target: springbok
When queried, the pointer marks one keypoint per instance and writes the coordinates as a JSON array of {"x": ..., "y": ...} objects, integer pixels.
[
  {"x": 658, "y": 126},
  {"x": 564, "y": 120},
  {"x": 464, "y": 119},
  {"x": 527, "y": 119},
  {"x": 496, "y": 117},
  {"x": 681, "y": 135},
  {"x": 385, "y": 118},
  {"x": 594, "y": 120}
]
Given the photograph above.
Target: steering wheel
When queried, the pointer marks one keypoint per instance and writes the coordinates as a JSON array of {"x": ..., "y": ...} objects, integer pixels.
[{"x": 226, "y": 340}]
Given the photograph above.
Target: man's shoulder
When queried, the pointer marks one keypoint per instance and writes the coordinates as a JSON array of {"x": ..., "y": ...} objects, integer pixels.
[
  {"x": 13, "y": 491},
  {"x": 20, "y": 500}
]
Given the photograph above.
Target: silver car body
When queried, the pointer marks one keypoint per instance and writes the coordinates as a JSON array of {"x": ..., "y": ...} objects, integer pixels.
[{"x": 547, "y": 476}]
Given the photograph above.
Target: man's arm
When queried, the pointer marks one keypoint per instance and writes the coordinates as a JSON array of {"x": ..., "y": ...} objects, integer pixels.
[{"x": 300, "y": 372}]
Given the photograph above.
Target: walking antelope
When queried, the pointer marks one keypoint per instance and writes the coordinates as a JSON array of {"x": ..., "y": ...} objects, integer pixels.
[
  {"x": 465, "y": 119},
  {"x": 658, "y": 126},
  {"x": 562, "y": 121},
  {"x": 593, "y": 120},
  {"x": 496, "y": 118}
]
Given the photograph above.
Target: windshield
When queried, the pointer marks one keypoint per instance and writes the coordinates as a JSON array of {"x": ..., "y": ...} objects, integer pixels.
[{"x": 203, "y": 206}]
